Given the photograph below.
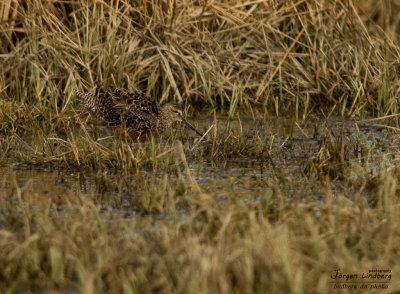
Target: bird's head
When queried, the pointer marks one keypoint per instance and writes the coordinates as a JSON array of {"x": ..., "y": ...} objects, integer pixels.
[{"x": 174, "y": 113}]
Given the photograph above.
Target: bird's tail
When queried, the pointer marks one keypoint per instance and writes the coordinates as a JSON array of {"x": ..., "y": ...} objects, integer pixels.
[{"x": 87, "y": 100}]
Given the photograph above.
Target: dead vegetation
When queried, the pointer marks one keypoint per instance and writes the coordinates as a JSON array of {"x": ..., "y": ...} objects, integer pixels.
[
  {"x": 268, "y": 204},
  {"x": 311, "y": 54}
]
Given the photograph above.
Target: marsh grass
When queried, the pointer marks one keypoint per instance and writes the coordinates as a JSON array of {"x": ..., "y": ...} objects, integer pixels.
[
  {"x": 268, "y": 204},
  {"x": 279, "y": 58},
  {"x": 283, "y": 55}
]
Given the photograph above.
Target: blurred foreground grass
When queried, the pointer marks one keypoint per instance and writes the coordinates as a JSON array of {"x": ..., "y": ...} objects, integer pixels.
[{"x": 263, "y": 243}]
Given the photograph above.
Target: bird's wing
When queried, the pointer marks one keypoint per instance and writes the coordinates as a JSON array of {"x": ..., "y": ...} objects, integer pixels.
[{"x": 132, "y": 101}]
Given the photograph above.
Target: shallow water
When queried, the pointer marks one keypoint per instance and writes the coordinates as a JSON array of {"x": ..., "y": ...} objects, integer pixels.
[{"x": 290, "y": 148}]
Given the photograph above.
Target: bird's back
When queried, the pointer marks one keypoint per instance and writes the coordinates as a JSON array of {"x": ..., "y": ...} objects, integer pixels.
[{"x": 120, "y": 108}]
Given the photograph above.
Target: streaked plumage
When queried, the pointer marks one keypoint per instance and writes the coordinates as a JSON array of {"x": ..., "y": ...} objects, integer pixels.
[{"x": 134, "y": 113}]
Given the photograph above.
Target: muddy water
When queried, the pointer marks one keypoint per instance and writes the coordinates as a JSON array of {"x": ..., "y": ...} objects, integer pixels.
[{"x": 292, "y": 162}]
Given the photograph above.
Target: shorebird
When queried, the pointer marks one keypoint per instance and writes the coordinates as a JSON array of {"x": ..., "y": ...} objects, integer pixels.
[{"x": 133, "y": 113}]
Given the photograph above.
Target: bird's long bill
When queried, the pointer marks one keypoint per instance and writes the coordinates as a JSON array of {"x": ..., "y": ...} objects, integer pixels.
[{"x": 193, "y": 128}]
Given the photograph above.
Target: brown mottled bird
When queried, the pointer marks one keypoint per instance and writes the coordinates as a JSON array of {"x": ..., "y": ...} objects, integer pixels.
[{"x": 134, "y": 113}]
